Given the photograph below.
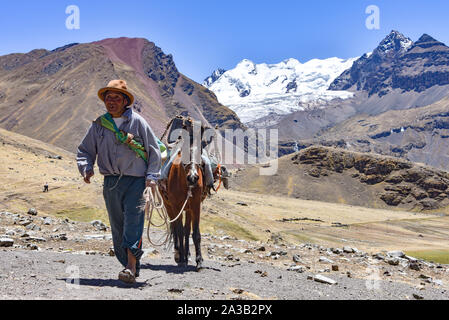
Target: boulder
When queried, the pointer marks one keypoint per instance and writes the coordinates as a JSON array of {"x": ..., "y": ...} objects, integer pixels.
[
  {"x": 323, "y": 279},
  {"x": 414, "y": 266},
  {"x": 6, "y": 242},
  {"x": 392, "y": 261},
  {"x": 325, "y": 260},
  {"x": 348, "y": 250},
  {"x": 99, "y": 225},
  {"x": 337, "y": 250},
  {"x": 396, "y": 254},
  {"x": 299, "y": 269}
]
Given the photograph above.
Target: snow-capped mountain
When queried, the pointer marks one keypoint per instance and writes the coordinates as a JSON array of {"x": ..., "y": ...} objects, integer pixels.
[
  {"x": 254, "y": 90},
  {"x": 214, "y": 77},
  {"x": 395, "y": 44}
]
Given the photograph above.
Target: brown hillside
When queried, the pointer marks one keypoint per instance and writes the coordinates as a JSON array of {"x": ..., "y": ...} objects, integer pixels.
[
  {"x": 51, "y": 95},
  {"x": 340, "y": 176}
]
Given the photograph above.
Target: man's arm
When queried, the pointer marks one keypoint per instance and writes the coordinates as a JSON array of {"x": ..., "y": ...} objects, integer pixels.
[{"x": 86, "y": 155}]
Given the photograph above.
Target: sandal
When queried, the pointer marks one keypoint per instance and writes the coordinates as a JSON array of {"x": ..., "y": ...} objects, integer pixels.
[{"x": 127, "y": 276}]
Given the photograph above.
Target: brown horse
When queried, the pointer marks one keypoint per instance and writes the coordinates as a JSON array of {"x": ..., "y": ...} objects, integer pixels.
[{"x": 185, "y": 183}]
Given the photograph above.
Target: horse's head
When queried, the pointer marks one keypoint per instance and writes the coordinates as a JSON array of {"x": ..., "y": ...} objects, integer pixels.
[
  {"x": 192, "y": 175},
  {"x": 192, "y": 168}
]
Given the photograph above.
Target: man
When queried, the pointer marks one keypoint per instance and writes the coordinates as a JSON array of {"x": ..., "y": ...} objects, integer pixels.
[
  {"x": 46, "y": 187},
  {"x": 127, "y": 170}
]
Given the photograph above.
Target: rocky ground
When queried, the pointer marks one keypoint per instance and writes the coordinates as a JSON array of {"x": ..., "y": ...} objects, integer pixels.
[{"x": 49, "y": 258}]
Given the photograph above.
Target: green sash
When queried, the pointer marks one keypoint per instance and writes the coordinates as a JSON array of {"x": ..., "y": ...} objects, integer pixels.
[{"x": 126, "y": 138}]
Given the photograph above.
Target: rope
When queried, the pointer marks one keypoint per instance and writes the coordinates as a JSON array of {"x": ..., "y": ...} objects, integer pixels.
[
  {"x": 219, "y": 177},
  {"x": 155, "y": 201},
  {"x": 217, "y": 153},
  {"x": 166, "y": 129}
]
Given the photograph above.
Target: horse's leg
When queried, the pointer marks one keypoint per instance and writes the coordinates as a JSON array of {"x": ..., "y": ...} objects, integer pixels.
[
  {"x": 197, "y": 237},
  {"x": 187, "y": 228},
  {"x": 173, "y": 229},
  {"x": 179, "y": 252},
  {"x": 175, "y": 241}
]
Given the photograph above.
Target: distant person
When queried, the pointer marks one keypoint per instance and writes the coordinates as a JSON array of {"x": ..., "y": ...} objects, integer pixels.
[
  {"x": 130, "y": 160},
  {"x": 46, "y": 187}
]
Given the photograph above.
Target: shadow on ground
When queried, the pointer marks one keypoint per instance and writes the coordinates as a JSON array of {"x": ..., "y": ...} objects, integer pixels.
[
  {"x": 105, "y": 283},
  {"x": 175, "y": 269}
]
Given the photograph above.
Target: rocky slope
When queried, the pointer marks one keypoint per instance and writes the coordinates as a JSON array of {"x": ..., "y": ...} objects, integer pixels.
[
  {"x": 336, "y": 175},
  {"x": 398, "y": 63},
  {"x": 51, "y": 95},
  {"x": 399, "y": 74},
  {"x": 418, "y": 135}
]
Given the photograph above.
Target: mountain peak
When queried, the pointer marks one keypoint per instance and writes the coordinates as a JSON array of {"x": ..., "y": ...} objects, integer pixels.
[
  {"x": 427, "y": 41},
  {"x": 393, "y": 44},
  {"x": 247, "y": 66},
  {"x": 245, "y": 63},
  {"x": 427, "y": 44},
  {"x": 414, "y": 66},
  {"x": 426, "y": 38},
  {"x": 213, "y": 77}
]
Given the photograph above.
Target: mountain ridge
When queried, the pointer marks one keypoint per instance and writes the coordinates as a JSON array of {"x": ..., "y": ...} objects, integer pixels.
[
  {"x": 59, "y": 87},
  {"x": 398, "y": 63}
]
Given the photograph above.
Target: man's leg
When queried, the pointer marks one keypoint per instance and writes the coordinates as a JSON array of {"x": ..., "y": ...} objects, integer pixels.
[
  {"x": 116, "y": 218},
  {"x": 134, "y": 220}
]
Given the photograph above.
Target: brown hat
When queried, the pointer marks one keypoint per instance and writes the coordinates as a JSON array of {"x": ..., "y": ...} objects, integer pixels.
[{"x": 119, "y": 86}]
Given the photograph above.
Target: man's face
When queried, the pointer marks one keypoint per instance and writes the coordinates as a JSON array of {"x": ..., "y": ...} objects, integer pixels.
[{"x": 115, "y": 103}]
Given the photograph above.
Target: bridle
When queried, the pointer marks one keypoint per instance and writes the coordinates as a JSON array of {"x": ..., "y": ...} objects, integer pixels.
[{"x": 195, "y": 154}]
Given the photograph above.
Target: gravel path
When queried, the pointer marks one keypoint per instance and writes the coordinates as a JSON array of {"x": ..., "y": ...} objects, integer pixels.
[{"x": 43, "y": 275}]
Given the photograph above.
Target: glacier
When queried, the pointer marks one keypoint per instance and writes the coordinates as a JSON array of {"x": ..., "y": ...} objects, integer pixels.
[{"x": 254, "y": 91}]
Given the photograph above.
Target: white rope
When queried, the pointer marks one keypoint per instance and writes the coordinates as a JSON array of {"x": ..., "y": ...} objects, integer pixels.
[
  {"x": 217, "y": 153},
  {"x": 155, "y": 201}
]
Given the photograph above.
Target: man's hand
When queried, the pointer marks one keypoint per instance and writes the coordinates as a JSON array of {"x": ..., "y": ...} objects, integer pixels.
[
  {"x": 87, "y": 176},
  {"x": 151, "y": 184}
]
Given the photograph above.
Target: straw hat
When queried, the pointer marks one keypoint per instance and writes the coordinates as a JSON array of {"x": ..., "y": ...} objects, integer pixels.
[{"x": 118, "y": 86}]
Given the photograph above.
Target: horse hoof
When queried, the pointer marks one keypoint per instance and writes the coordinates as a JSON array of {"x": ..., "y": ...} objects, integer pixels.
[{"x": 199, "y": 264}]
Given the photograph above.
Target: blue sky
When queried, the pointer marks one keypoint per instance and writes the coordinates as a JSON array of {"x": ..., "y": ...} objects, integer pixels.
[{"x": 203, "y": 35}]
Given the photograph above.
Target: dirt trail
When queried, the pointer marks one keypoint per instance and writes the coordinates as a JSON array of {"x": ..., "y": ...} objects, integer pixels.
[
  {"x": 52, "y": 258},
  {"x": 47, "y": 275}
]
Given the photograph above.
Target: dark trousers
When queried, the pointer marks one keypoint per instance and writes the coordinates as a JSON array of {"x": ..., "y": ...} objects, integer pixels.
[{"x": 123, "y": 198}]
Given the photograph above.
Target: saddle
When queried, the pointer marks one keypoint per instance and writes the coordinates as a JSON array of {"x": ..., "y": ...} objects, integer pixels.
[
  {"x": 186, "y": 123},
  {"x": 190, "y": 125}
]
